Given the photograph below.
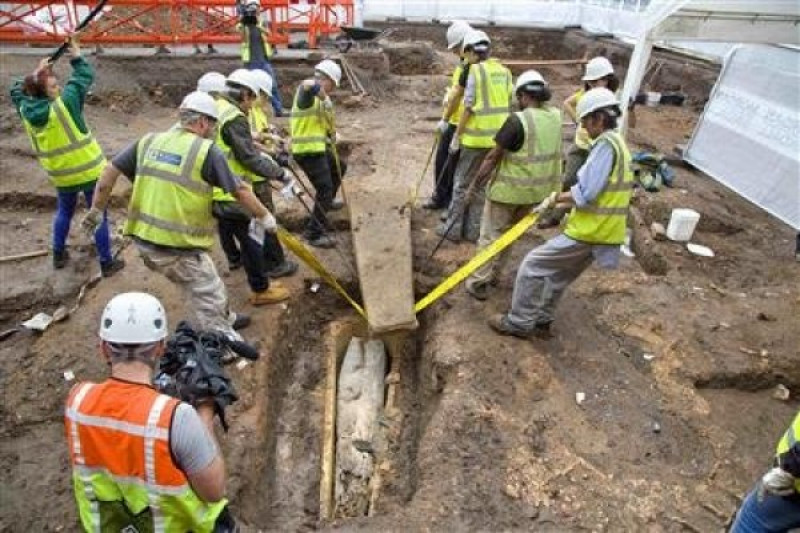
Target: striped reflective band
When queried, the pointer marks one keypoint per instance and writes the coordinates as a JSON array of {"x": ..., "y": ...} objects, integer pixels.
[
  {"x": 65, "y": 123},
  {"x": 79, "y": 460},
  {"x": 84, "y": 470},
  {"x": 138, "y": 216},
  {"x": 64, "y": 149},
  {"x": 605, "y": 210},
  {"x": 530, "y": 157},
  {"x": 529, "y": 183},
  {"x": 80, "y": 168},
  {"x": 310, "y": 112},
  {"x": 479, "y": 133},
  {"x": 184, "y": 178},
  {"x": 150, "y": 459},
  {"x": 110, "y": 423},
  {"x": 312, "y": 139}
]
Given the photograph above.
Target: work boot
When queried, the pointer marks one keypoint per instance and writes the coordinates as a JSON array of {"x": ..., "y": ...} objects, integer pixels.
[
  {"x": 285, "y": 269},
  {"x": 322, "y": 241},
  {"x": 336, "y": 204},
  {"x": 240, "y": 321},
  {"x": 477, "y": 290},
  {"x": 112, "y": 267},
  {"x": 276, "y": 293},
  {"x": 503, "y": 326},
  {"x": 60, "y": 259}
]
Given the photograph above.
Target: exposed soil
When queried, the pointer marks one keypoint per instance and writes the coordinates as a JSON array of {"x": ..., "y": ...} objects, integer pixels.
[{"x": 484, "y": 432}]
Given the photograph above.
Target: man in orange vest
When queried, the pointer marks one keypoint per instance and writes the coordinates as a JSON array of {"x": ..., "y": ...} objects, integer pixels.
[{"x": 141, "y": 460}]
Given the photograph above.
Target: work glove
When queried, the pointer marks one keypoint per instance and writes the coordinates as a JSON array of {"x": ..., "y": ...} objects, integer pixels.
[
  {"x": 259, "y": 227},
  {"x": 778, "y": 482},
  {"x": 286, "y": 176},
  {"x": 288, "y": 191},
  {"x": 92, "y": 220},
  {"x": 455, "y": 145},
  {"x": 547, "y": 204},
  {"x": 327, "y": 104},
  {"x": 441, "y": 127},
  {"x": 334, "y": 137}
]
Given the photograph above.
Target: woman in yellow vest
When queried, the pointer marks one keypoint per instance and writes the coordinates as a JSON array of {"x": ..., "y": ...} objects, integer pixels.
[
  {"x": 774, "y": 504},
  {"x": 487, "y": 102},
  {"x": 67, "y": 150},
  {"x": 599, "y": 73},
  {"x": 527, "y": 156},
  {"x": 445, "y": 165},
  {"x": 595, "y": 228}
]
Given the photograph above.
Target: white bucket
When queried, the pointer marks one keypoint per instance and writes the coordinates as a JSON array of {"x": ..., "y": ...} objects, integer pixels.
[
  {"x": 653, "y": 99},
  {"x": 681, "y": 224}
]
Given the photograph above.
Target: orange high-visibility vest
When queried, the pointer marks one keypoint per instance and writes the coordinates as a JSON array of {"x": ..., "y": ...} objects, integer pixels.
[{"x": 122, "y": 467}]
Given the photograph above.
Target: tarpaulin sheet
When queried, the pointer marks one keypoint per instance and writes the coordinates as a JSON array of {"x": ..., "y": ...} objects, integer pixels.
[{"x": 748, "y": 137}]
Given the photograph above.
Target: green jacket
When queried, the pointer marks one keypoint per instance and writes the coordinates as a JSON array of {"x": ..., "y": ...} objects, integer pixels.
[{"x": 73, "y": 93}]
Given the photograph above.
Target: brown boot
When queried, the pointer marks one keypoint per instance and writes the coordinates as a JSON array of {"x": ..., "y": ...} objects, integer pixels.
[{"x": 276, "y": 293}]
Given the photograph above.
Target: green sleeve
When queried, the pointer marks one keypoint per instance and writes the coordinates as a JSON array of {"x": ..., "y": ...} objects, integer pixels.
[
  {"x": 17, "y": 96},
  {"x": 74, "y": 92}
]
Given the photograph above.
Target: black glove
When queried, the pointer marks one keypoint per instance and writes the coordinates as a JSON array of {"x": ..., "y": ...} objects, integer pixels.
[{"x": 282, "y": 158}]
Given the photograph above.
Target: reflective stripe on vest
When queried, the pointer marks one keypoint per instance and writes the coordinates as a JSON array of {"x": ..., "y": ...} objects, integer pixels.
[
  {"x": 491, "y": 106},
  {"x": 604, "y": 221},
  {"x": 245, "y": 46},
  {"x": 309, "y": 127},
  {"x": 227, "y": 112},
  {"x": 259, "y": 122},
  {"x": 454, "y": 79},
  {"x": 528, "y": 175},
  {"x": 123, "y": 468},
  {"x": 171, "y": 203},
  {"x": 69, "y": 156},
  {"x": 789, "y": 440}
]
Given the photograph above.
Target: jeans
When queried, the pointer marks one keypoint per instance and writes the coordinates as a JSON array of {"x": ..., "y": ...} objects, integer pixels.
[
  {"x": 772, "y": 515},
  {"x": 266, "y": 66},
  {"x": 321, "y": 171},
  {"x": 61, "y": 223},
  {"x": 444, "y": 169},
  {"x": 248, "y": 251}
]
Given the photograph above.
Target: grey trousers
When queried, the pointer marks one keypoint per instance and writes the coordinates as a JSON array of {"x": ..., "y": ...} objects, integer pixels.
[
  {"x": 465, "y": 214},
  {"x": 497, "y": 219},
  {"x": 204, "y": 289},
  {"x": 543, "y": 276}
]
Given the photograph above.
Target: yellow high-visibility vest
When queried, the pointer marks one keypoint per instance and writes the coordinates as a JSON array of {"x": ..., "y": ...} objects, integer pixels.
[
  {"x": 788, "y": 440},
  {"x": 69, "y": 156},
  {"x": 529, "y": 175},
  {"x": 454, "y": 79},
  {"x": 171, "y": 203},
  {"x": 245, "y": 47},
  {"x": 604, "y": 221},
  {"x": 309, "y": 127},
  {"x": 226, "y": 112},
  {"x": 491, "y": 106}
]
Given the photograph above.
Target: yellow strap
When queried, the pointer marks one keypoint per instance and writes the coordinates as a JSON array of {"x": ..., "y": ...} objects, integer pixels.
[
  {"x": 476, "y": 262},
  {"x": 305, "y": 255}
]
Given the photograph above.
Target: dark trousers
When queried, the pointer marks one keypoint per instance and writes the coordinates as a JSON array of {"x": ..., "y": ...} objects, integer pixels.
[
  {"x": 322, "y": 173},
  {"x": 444, "y": 169},
  {"x": 233, "y": 230},
  {"x": 274, "y": 255}
]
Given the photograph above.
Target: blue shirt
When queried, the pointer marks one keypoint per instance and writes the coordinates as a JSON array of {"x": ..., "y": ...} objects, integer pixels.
[{"x": 592, "y": 179}]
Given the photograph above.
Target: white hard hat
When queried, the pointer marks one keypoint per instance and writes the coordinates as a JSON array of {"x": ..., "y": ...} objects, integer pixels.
[
  {"x": 456, "y": 32},
  {"x": 252, "y": 3},
  {"x": 474, "y": 37},
  {"x": 211, "y": 82},
  {"x": 263, "y": 80},
  {"x": 596, "y": 68},
  {"x": 595, "y": 99},
  {"x": 244, "y": 78},
  {"x": 331, "y": 69},
  {"x": 133, "y": 318},
  {"x": 529, "y": 76},
  {"x": 200, "y": 102}
]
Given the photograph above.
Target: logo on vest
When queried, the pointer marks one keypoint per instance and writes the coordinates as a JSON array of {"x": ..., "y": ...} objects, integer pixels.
[
  {"x": 128, "y": 529},
  {"x": 164, "y": 157}
]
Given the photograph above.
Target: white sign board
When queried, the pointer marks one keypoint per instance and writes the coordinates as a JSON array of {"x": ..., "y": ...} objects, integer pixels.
[{"x": 748, "y": 137}]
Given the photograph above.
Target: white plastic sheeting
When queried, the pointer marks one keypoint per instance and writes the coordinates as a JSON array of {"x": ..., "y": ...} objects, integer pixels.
[{"x": 748, "y": 137}]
